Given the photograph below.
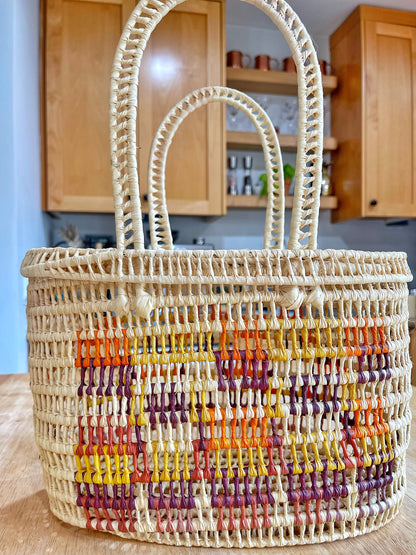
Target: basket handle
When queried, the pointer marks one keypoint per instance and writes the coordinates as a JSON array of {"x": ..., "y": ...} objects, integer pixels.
[
  {"x": 160, "y": 232},
  {"x": 123, "y": 107}
]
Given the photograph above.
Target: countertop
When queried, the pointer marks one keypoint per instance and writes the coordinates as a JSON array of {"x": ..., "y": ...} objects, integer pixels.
[{"x": 28, "y": 527}]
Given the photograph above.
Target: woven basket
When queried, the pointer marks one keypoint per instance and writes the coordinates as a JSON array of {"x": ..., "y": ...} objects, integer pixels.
[{"x": 227, "y": 398}]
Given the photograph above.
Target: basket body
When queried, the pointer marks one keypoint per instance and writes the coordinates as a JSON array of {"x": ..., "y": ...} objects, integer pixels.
[{"x": 264, "y": 401}]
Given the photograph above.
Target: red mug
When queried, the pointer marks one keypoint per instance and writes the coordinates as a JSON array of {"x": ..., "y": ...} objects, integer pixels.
[
  {"x": 289, "y": 65},
  {"x": 235, "y": 58},
  {"x": 264, "y": 62},
  {"x": 325, "y": 67}
]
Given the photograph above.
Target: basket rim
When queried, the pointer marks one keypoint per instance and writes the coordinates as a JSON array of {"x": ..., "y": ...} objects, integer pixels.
[{"x": 280, "y": 266}]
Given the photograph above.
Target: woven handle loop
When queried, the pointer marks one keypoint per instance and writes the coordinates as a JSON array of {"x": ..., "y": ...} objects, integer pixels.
[
  {"x": 123, "y": 108},
  {"x": 160, "y": 232}
]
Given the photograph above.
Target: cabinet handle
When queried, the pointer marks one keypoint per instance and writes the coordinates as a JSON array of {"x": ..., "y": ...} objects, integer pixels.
[
  {"x": 373, "y": 202},
  {"x": 145, "y": 198}
]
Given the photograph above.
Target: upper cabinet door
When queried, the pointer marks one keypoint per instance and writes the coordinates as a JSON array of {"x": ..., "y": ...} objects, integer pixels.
[
  {"x": 80, "y": 42},
  {"x": 185, "y": 52},
  {"x": 390, "y": 116}
]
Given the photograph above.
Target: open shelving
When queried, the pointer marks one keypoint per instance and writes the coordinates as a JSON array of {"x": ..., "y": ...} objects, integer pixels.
[
  {"x": 255, "y": 201},
  {"x": 271, "y": 82},
  {"x": 246, "y": 140}
]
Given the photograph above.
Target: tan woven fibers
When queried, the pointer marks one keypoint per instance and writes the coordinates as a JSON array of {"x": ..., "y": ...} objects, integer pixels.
[
  {"x": 220, "y": 398},
  {"x": 69, "y": 293}
]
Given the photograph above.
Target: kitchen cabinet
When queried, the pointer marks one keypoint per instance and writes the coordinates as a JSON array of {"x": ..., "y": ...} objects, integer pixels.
[
  {"x": 186, "y": 51},
  {"x": 79, "y": 42},
  {"x": 373, "y": 114}
]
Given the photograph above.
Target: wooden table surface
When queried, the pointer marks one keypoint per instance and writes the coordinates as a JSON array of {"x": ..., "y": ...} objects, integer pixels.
[{"x": 28, "y": 527}]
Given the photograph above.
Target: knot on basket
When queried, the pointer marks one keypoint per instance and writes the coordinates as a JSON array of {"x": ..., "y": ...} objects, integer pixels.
[
  {"x": 142, "y": 304},
  {"x": 120, "y": 305},
  {"x": 292, "y": 297},
  {"x": 316, "y": 297}
]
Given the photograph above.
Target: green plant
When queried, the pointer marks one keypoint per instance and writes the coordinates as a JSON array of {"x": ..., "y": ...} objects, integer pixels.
[
  {"x": 263, "y": 178},
  {"x": 288, "y": 173}
]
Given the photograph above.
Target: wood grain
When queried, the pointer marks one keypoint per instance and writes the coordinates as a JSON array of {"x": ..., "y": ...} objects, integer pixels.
[
  {"x": 254, "y": 201},
  {"x": 271, "y": 82},
  {"x": 346, "y": 115},
  {"x": 42, "y": 103},
  {"x": 28, "y": 527},
  {"x": 373, "y": 54},
  {"x": 372, "y": 13},
  {"x": 390, "y": 54},
  {"x": 81, "y": 38},
  {"x": 185, "y": 52},
  {"x": 387, "y": 15},
  {"x": 246, "y": 140}
]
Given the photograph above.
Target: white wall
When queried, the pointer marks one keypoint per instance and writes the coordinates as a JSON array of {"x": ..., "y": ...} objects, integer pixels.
[{"x": 22, "y": 225}]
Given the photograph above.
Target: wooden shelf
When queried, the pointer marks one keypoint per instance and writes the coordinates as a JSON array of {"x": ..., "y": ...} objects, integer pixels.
[
  {"x": 255, "y": 201},
  {"x": 245, "y": 140},
  {"x": 271, "y": 82}
]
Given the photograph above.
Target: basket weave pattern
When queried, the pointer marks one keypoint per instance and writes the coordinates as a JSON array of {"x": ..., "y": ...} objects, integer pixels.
[
  {"x": 227, "y": 398},
  {"x": 224, "y": 419}
]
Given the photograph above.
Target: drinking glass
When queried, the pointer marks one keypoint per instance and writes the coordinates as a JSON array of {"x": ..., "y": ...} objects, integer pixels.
[{"x": 290, "y": 113}]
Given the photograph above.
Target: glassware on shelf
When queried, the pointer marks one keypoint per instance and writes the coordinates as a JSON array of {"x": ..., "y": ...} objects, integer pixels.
[
  {"x": 268, "y": 103},
  {"x": 326, "y": 180},
  {"x": 262, "y": 100},
  {"x": 258, "y": 187},
  {"x": 232, "y": 188},
  {"x": 290, "y": 113},
  {"x": 248, "y": 181},
  {"x": 233, "y": 116}
]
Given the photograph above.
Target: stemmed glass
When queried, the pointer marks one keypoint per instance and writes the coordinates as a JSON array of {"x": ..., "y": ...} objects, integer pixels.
[
  {"x": 290, "y": 115},
  {"x": 262, "y": 100},
  {"x": 232, "y": 117}
]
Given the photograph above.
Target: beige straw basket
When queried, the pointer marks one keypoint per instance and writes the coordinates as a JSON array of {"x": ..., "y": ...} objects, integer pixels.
[{"x": 220, "y": 398}]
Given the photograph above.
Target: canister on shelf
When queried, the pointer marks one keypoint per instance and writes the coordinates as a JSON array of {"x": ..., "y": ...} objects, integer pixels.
[
  {"x": 232, "y": 188},
  {"x": 248, "y": 182},
  {"x": 412, "y": 303},
  {"x": 326, "y": 181}
]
